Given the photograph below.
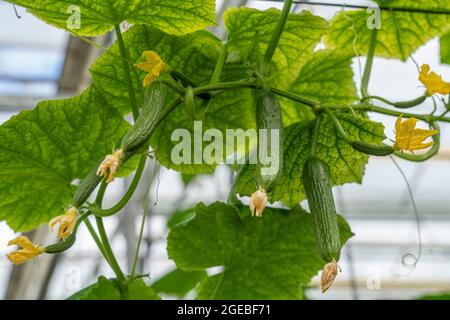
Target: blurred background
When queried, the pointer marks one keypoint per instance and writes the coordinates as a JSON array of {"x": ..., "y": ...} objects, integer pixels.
[{"x": 40, "y": 62}]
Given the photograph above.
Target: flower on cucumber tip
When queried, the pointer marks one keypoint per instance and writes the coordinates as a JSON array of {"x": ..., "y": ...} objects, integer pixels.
[
  {"x": 410, "y": 138},
  {"x": 27, "y": 250},
  {"x": 110, "y": 165},
  {"x": 66, "y": 223},
  {"x": 153, "y": 65},
  {"x": 258, "y": 202},
  {"x": 433, "y": 82}
]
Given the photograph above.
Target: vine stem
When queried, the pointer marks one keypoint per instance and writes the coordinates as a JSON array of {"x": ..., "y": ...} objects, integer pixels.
[
  {"x": 144, "y": 216},
  {"x": 127, "y": 73},
  {"x": 275, "y": 38},
  {"x": 369, "y": 62},
  {"x": 219, "y": 64},
  {"x": 315, "y": 134},
  {"x": 134, "y": 183},
  {"x": 252, "y": 85},
  {"x": 106, "y": 245},
  {"x": 97, "y": 240},
  {"x": 371, "y": 108}
]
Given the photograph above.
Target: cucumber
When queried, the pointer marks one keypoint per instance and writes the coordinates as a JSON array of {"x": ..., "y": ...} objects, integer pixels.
[
  {"x": 90, "y": 182},
  {"x": 318, "y": 192},
  {"x": 375, "y": 150},
  {"x": 86, "y": 187},
  {"x": 61, "y": 246},
  {"x": 141, "y": 131},
  {"x": 69, "y": 242},
  {"x": 268, "y": 117},
  {"x": 409, "y": 103}
]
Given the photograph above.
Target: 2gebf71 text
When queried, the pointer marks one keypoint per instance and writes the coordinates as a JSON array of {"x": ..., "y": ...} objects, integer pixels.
[{"x": 224, "y": 310}]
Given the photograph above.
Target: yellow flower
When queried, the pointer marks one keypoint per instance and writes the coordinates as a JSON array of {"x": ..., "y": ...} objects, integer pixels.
[
  {"x": 433, "y": 82},
  {"x": 153, "y": 66},
  {"x": 108, "y": 168},
  {"x": 329, "y": 273},
  {"x": 409, "y": 138},
  {"x": 258, "y": 202},
  {"x": 66, "y": 223},
  {"x": 26, "y": 252}
]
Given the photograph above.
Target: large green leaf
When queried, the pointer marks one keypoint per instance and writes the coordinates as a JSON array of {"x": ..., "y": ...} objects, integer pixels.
[
  {"x": 195, "y": 56},
  {"x": 401, "y": 33},
  {"x": 108, "y": 289},
  {"x": 300, "y": 36},
  {"x": 178, "y": 282},
  {"x": 98, "y": 16},
  {"x": 345, "y": 163},
  {"x": 43, "y": 150},
  {"x": 268, "y": 258},
  {"x": 326, "y": 77}
]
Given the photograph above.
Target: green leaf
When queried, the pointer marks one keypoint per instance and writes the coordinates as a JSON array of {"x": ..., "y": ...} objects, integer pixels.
[
  {"x": 108, "y": 289},
  {"x": 401, "y": 33},
  {"x": 436, "y": 296},
  {"x": 43, "y": 150},
  {"x": 345, "y": 164},
  {"x": 445, "y": 48},
  {"x": 180, "y": 217},
  {"x": 178, "y": 282},
  {"x": 268, "y": 258},
  {"x": 300, "y": 36},
  {"x": 97, "y": 16},
  {"x": 194, "y": 55},
  {"x": 327, "y": 78}
]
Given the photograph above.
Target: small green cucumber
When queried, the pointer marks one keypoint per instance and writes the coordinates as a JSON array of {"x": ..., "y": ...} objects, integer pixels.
[
  {"x": 142, "y": 130},
  {"x": 268, "y": 118},
  {"x": 375, "y": 150},
  {"x": 318, "y": 192},
  {"x": 409, "y": 103},
  {"x": 61, "y": 246},
  {"x": 86, "y": 187}
]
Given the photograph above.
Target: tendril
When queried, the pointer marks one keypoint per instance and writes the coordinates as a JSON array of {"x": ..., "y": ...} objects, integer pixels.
[
  {"x": 411, "y": 266},
  {"x": 16, "y": 12}
]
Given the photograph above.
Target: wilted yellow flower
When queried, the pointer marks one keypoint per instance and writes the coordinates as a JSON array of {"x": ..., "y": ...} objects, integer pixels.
[
  {"x": 329, "y": 273},
  {"x": 108, "y": 168},
  {"x": 409, "y": 138},
  {"x": 153, "y": 66},
  {"x": 433, "y": 82},
  {"x": 26, "y": 252},
  {"x": 258, "y": 202},
  {"x": 66, "y": 223}
]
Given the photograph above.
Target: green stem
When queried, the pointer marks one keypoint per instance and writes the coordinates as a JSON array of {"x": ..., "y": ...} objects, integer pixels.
[
  {"x": 219, "y": 64},
  {"x": 173, "y": 85},
  {"x": 252, "y": 85},
  {"x": 315, "y": 135},
  {"x": 372, "y": 108},
  {"x": 338, "y": 127},
  {"x": 141, "y": 231},
  {"x": 104, "y": 238},
  {"x": 127, "y": 196},
  {"x": 401, "y": 104},
  {"x": 127, "y": 73},
  {"x": 275, "y": 38},
  {"x": 369, "y": 62},
  {"x": 97, "y": 240}
]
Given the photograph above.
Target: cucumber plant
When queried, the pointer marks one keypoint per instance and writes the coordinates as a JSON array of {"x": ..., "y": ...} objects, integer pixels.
[{"x": 267, "y": 75}]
